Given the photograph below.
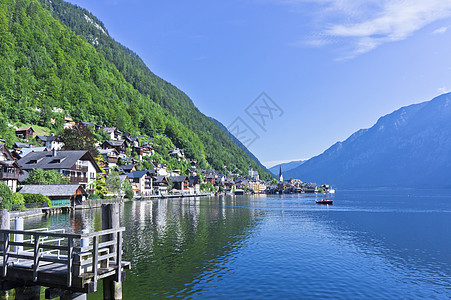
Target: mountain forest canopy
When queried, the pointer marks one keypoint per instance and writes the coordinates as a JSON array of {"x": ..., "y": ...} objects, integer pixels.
[{"x": 58, "y": 60}]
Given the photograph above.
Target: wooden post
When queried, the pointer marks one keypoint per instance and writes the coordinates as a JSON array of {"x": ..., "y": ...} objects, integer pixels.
[
  {"x": 28, "y": 293},
  {"x": 4, "y": 224},
  {"x": 110, "y": 220}
]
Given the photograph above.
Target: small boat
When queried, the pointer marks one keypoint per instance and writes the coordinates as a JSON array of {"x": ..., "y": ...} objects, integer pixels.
[{"x": 325, "y": 201}]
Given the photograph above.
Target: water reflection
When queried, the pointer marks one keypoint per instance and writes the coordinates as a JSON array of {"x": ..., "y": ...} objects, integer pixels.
[{"x": 367, "y": 245}]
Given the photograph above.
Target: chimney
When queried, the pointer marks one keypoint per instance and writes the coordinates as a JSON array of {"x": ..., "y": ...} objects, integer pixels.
[{"x": 54, "y": 152}]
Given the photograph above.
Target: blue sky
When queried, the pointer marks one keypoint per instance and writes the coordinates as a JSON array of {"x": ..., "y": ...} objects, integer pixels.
[{"x": 332, "y": 67}]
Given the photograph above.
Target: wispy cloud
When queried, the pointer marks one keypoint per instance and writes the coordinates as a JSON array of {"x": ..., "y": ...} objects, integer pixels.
[
  {"x": 272, "y": 163},
  {"x": 366, "y": 24},
  {"x": 444, "y": 90},
  {"x": 440, "y": 30}
]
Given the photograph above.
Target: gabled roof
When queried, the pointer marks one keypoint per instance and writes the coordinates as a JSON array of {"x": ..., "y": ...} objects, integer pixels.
[
  {"x": 51, "y": 160},
  {"x": 25, "y": 151},
  {"x": 159, "y": 165},
  {"x": 127, "y": 168},
  {"x": 53, "y": 190},
  {"x": 50, "y": 138},
  {"x": 6, "y": 152},
  {"x": 24, "y": 128},
  {"x": 177, "y": 178},
  {"x": 87, "y": 123},
  {"x": 115, "y": 143},
  {"x": 107, "y": 151},
  {"x": 138, "y": 174},
  {"x": 160, "y": 179},
  {"x": 109, "y": 129},
  {"x": 131, "y": 139},
  {"x": 21, "y": 145}
]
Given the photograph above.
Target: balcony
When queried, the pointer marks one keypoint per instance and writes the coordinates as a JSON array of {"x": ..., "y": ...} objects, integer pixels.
[
  {"x": 75, "y": 179},
  {"x": 9, "y": 175},
  {"x": 79, "y": 168}
]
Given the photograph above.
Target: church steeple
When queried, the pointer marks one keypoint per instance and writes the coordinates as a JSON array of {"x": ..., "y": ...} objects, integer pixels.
[{"x": 280, "y": 174}]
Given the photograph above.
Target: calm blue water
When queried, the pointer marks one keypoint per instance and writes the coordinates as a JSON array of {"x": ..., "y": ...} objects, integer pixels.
[{"x": 370, "y": 244}]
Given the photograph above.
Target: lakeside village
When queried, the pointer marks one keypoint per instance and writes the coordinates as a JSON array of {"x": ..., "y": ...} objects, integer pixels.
[{"x": 117, "y": 171}]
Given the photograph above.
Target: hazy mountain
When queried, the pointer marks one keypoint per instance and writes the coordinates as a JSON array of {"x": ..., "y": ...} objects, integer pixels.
[
  {"x": 410, "y": 147},
  {"x": 286, "y": 166}
]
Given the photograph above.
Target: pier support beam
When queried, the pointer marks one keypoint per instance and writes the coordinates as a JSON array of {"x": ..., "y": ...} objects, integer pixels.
[
  {"x": 112, "y": 290},
  {"x": 28, "y": 293},
  {"x": 4, "y": 295},
  {"x": 4, "y": 224},
  {"x": 74, "y": 296}
]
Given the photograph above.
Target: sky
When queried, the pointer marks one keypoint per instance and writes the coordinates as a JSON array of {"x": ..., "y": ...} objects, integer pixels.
[{"x": 296, "y": 75}]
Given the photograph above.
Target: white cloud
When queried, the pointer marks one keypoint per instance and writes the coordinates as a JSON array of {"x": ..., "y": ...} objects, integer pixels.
[
  {"x": 440, "y": 30},
  {"x": 367, "y": 24},
  {"x": 272, "y": 163},
  {"x": 444, "y": 90}
]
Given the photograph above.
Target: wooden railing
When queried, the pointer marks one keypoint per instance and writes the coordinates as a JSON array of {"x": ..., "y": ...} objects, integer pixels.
[
  {"x": 9, "y": 175},
  {"x": 35, "y": 249},
  {"x": 74, "y": 179},
  {"x": 79, "y": 168}
]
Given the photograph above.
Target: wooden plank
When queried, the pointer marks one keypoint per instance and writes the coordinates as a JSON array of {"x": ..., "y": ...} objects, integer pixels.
[
  {"x": 119, "y": 256},
  {"x": 36, "y": 255},
  {"x": 5, "y": 252},
  {"x": 100, "y": 258},
  {"x": 95, "y": 260},
  {"x": 107, "y": 244},
  {"x": 103, "y": 232},
  {"x": 41, "y": 246},
  {"x": 70, "y": 247},
  {"x": 45, "y": 257},
  {"x": 42, "y": 233}
]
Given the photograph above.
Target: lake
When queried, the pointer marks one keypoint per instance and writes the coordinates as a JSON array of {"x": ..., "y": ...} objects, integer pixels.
[{"x": 369, "y": 244}]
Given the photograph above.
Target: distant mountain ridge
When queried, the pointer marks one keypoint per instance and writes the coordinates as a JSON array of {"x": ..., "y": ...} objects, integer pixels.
[
  {"x": 286, "y": 166},
  {"x": 410, "y": 147}
]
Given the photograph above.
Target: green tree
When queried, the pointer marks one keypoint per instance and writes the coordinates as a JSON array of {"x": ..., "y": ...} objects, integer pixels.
[
  {"x": 79, "y": 137},
  {"x": 6, "y": 196},
  {"x": 207, "y": 187},
  {"x": 40, "y": 176},
  {"x": 18, "y": 201},
  {"x": 127, "y": 188},
  {"x": 99, "y": 185},
  {"x": 37, "y": 198},
  {"x": 113, "y": 182}
]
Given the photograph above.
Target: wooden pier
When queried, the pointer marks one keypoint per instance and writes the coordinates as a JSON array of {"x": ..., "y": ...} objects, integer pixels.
[{"x": 69, "y": 265}]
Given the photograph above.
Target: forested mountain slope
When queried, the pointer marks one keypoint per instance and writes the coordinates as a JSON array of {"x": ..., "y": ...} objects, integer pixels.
[
  {"x": 44, "y": 65},
  {"x": 219, "y": 149}
]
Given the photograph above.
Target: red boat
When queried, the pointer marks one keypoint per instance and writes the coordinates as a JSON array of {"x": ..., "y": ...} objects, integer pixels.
[{"x": 325, "y": 201}]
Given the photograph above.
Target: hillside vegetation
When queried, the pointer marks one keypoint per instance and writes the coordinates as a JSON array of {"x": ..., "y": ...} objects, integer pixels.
[{"x": 55, "y": 55}]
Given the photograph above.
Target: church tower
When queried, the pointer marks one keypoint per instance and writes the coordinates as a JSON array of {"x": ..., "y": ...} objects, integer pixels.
[{"x": 280, "y": 174}]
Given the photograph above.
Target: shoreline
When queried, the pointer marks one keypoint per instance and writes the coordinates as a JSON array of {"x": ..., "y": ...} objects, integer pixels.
[{"x": 89, "y": 204}]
